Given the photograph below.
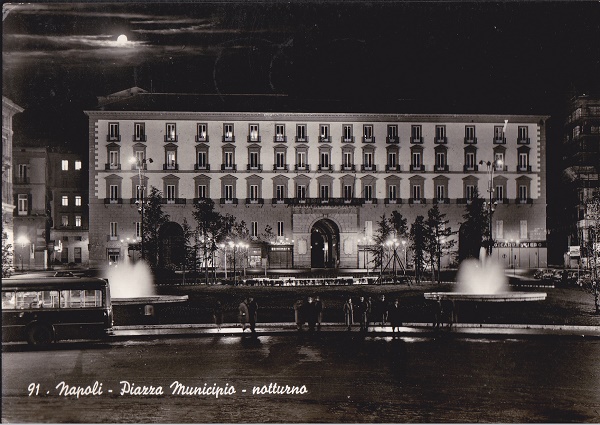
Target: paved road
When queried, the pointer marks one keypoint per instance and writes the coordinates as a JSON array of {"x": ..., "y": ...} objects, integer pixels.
[{"x": 348, "y": 378}]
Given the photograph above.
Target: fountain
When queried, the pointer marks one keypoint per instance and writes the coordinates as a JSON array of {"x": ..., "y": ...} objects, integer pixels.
[
  {"x": 132, "y": 292},
  {"x": 483, "y": 281}
]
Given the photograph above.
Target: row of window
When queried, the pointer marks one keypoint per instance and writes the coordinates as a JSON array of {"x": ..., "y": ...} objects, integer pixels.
[
  {"x": 66, "y": 298},
  {"x": 228, "y": 162},
  {"x": 22, "y": 170},
  {"x": 325, "y": 185},
  {"x": 367, "y": 135},
  {"x": 64, "y": 200}
]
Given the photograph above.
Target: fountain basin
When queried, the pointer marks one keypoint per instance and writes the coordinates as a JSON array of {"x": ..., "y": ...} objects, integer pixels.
[
  {"x": 150, "y": 299},
  {"x": 500, "y": 297},
  {"x": 145, "y": 310}
]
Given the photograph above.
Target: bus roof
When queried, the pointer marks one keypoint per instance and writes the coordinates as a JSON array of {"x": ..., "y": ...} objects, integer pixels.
[{"x": 52, "y": 283}]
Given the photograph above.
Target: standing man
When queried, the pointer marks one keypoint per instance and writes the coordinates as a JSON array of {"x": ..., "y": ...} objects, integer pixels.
[
  {"x": 362, "y": 309},
  {"x": 319, "y": 311},
  {"x": 243, "y": 308},
  {"x": 252, "y": 314},
  {"x": 348, "y": 314}
]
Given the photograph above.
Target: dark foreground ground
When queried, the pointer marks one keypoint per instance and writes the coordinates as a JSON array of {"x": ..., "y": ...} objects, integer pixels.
[{"x": 563, "y": 306}]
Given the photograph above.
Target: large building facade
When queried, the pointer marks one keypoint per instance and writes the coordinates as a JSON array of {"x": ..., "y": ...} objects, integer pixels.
[
  {"x": 9, "y": 109},
  {"x": 321, "y": 181}
]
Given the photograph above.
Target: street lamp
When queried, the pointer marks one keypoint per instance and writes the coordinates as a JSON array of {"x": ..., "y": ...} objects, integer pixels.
[
  {"x": 491, "y": 167},
  {"x": 404, "y": 248},
  {"x": 141, "y": 165},
  {"x": 22, "y": 240}
]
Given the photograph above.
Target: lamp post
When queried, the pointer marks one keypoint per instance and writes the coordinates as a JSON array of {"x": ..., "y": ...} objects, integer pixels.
[
  {"x": 22, "y": 240},
  {"x": 404, "y": 248},
  {"x": 491, "y": 167},
  {"x": 141, "y": 165}
]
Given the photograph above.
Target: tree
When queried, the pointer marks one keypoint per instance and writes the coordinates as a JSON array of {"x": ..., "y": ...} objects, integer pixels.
[
  {"x": 154, "y": 218},
  {"x": 7, "y": 254},
  {"x": 382, "y": 235},
  {"x": 474, "y": 229},
  {"x": 438, "y": 242},
  {"x": 592, "y": 215},
  {"x": 418, "y": 238},
  {"x": 268, "y": 235},
  {"x": 189, "y": 256}
]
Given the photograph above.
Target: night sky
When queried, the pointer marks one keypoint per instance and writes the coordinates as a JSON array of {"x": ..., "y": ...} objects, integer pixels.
[{"x": 410, "y": 57}]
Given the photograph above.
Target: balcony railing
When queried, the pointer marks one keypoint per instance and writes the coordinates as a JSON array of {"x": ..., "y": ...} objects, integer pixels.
[
  {"x": 113, "y": 200},
  {"x": 304, "y": 167},
  {"x": 21, "y": 180},
  {"x": 392, "y": 168},
  {"x": 499, "y": 140},
  {"x": 369, "y": 200},
  {"x": 228, "y": 139},
  {"x": 136, "y": 166},
  {"x": 198, "y": 200},
  {"x": 258, "y": 201},
  {"x": 233, "y": 201},
  {"x": 231, "y": 167},
  {"x": 417, "y": 201},
  {"x": 284, "y": 167},
  {"x": 348, "y": 167},
  {"x": 114, "y": 138},
  {"x": 327, "y": 201},
  {"x": 364, "y": 167},
  {"x": 279, "y": 139},
  {"x": 392, "y": 139},
  {"x": 441, "y": 200},
  {"x": 440, "y": 140},
  {"x": 325, "y": 167},
  {"x": 280, "y": 201},
  {"x": 257, "y": 167},
  {"x": 178, "y": 201},
  {"x": 302, "y": 139},
  {"x": 172, "y": 138},
  {"x": 202, "y": 167},
  {"x": 325, "y": 139},
  {"x": 416, "y": 139},
  {"x": 392, "y": 201},
  {"x": 440, "y": 167},
  {"x": 112, "y": 166},
  {"x": 420, "y": 167},
  {"x": 522, "y": 140},
  {"x": 524, "y": 201},
  {"x": 524, "y": 168},
  {"x": 470, "y": 141},
  {"x": 201, "y": 139},
  {"x": 368, "y": 139},
  {"x": 349, "y": 139},
  {"x": 171, "y": 166},
  {"x": 140, "y": 138},
  {"x": 253, "y": 139},
  {"x": 468, "y": 168}
]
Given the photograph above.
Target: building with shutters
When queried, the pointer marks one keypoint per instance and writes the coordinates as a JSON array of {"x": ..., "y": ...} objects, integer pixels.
[{"x": 320, "y": 175}]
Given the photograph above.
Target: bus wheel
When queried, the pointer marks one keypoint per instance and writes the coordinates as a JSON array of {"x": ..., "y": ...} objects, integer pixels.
[{"x": 40, "y": 334}]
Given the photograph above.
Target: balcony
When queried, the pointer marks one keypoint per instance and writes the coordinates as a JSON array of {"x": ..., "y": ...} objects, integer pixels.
[
  {"x": 364, "y": 167},
  {"x": 499, "y": 140},
  {"x": 392, "y": 139},
  {"x": 280, "y": 201},
  {"x": 140, "y": 138},
  {"x": 171, "y": 166},
  {"x": 228, "y": 167},
  {"x": 392, "y": 201},
  {"x": 135, "y": 166},
  {"x": 114, "y": 138},
  {"x": 284, "y": 167},
  {"x": 417, "y": 201},
  {"x": 112, "y": 238},
  {"x": 524, "y": 201},
  {"x": 389, "y": 168},
  {"x": 198, "y": 200},
  {"x": 368, "y": 139},
  {"x": 441, "y": 168},
  {"x": 171, "y": 138},
  {"x": 522, "y": 140},
  {"x": 441, "y": 200},
  {"x": 464, "y": 201},
  {"x": 502, "y": 201},
  {"x": 256, "y": 167},
  {"x": 229, "y": 139},
  {"x": 440, "y": 140},
  {"x": 325, "y": 167},
  {"x": 325, "y": 139},
  {"x": 416, "y": 140},
  {"x": 279, "y": 139},
  {"x": 224, "y": 201},
  {"x": 302, "y": 139},
  {"x": 349, "y": 139},
  {"x": 348, "y": 167},
  {"x": 21, "y": 180},
  {"x": 257, "y": 201},
  {"x": 304, "y": 167},
  {"x": 470, "y": 168},
  {"x": 253, "y": 139},
  {"x": 419, "y": 167},
  {"x": 369, "y": 200},
  {"x": 201, "y": 139},
  {"x": 202, "y": 167},
  {"x": 524, "y": 168},
  {"x": 178, "y": 201},
  {"x": 470, "y": 140},
  {"x": 113, "y": 201},
  {"x": 112, "y": 166}
]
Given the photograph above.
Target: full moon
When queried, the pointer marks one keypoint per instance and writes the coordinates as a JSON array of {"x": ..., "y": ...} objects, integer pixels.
[{"x": 122, "y": 39}]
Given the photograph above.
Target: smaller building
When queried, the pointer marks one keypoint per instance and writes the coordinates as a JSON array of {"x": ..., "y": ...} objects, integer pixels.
[{"x": 9, "y": 109}]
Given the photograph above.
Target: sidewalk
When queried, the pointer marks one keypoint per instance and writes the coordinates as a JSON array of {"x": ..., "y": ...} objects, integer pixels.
[{"x": 409, "y": 329}]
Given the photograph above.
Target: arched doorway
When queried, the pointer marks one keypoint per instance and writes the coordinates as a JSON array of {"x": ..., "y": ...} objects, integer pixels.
[
  {"x": 324, "y": 243},
  {"x": 172, "y": 245}
]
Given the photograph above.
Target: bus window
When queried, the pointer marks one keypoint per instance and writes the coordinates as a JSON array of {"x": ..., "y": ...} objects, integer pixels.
[
  {"x": 50, "y": 299},
  {"x": 92, "y": 298},
  {"x": 76, "y": 298},
  {"x": 8, "y": 300},
  {"x": 28, "y": 299}
]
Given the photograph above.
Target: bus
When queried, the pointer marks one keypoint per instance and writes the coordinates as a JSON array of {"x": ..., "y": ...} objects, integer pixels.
[{"x": 48, "y": 309}]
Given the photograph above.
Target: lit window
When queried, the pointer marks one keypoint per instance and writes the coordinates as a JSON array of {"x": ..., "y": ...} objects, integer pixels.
[
  {"x": 202, "y": 191},
  {"x": 138, "y": 229},
  {"x": 65, "y": 201},
  {"x": 170, "y": 192},
  {"x": 78, "y": 165},
  {"x": 280, "y": 228},
  {"x": 23, "y": 204},
  {"x": 114, "y": 192},
  {"x": 65, "y": 164},
  {"x": 77, "y": 201},
  {"x": 254, "y": 229},
  {"x": 113, "y": 229},
  {"x": 392, "y": 191},
  {"x": 78, "y": 221},
  {"x": 65, "y": 220},
  {"x": 280, "y": 191}
]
